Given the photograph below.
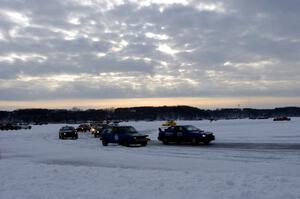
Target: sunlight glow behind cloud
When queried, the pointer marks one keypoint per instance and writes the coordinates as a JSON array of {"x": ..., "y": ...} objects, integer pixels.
[{"x": 167, "y": 49}]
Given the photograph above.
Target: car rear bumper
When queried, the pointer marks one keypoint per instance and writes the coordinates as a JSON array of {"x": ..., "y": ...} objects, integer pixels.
[{"x": 139, "y": 141}]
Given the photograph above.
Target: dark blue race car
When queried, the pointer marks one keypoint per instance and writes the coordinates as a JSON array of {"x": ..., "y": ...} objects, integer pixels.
[
  {"x": 123, "y": 135},
  {"x": 185, "y": 133},
  {"x": 68, "y": 132}
]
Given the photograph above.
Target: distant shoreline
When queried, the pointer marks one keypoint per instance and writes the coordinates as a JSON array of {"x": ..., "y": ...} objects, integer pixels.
[{"x": 144, "y": 113}]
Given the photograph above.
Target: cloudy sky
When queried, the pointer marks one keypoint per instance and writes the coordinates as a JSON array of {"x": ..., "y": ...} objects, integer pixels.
[{"x": 141, "y": 52}]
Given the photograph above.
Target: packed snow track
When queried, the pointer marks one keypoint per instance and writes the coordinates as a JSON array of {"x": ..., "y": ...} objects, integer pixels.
[{"x": 250, "y": 159}]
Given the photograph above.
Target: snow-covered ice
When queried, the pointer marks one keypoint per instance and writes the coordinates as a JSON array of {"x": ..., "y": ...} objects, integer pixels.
[{"x": 250, "y": 159}]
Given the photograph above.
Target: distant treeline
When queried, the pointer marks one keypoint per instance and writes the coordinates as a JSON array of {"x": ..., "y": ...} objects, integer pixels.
[{"x": 143, "y": 113}]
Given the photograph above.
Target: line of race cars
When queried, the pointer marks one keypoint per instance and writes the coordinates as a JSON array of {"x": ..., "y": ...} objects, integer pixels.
[
  {"x": 14, "y": 126},
  {"x": 127, "y": 135}
]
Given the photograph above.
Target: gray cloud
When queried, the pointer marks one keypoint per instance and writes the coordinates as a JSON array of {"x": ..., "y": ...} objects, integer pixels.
[{"x": 68, "y": 49}]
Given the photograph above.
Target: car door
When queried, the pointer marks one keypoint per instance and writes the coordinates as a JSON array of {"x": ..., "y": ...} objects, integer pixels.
[
  {"x": 169, "y": 133},
  {"x": 180, "y": 134},
  {"x": 188, "y": 135},
  {"x": 116, "y": 135},
  {"x": 109, "y": 135}
]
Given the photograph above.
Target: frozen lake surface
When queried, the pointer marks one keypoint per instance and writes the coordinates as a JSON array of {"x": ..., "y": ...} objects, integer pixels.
[{"x": 250, "y": 159}]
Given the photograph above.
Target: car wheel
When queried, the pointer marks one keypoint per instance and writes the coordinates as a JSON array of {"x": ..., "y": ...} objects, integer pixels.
[
  {"x": 125, "y": 143},
  {"x": 194, "y": 141},
  {"x": 144, "y": 144},
  {"x": 206, "y": 142},
  {"x": 104, "y": 143},
  {"x": 165, "y": 141}
]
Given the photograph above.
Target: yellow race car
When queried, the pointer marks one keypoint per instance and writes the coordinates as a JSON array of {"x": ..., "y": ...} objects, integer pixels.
[{"x": 170, "y": 123}]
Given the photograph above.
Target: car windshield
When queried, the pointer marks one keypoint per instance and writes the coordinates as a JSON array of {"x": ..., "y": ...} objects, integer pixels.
[
  {"x": 191, "y": 128},
  {"x": 67, "y": 129},
  {"x": 128, "y": 130}
]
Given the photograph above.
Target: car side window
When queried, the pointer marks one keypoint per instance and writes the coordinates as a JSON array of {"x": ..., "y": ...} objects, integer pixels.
[
  {"x": 179, "y": 131},
  {"x": 108, "y": 130},
  {"x": 116, "y": 131},
  {"x": 171, "y": 129}
]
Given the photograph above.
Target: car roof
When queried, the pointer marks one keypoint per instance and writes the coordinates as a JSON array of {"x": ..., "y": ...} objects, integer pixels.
[
  {"x": 67, "y": 127},
  {"x": 123, "y": 126},
  {"x": 180, "y": 126}
]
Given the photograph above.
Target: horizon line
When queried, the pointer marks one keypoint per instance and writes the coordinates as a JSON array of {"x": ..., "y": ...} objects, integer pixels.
[{"x": 199, "y": 102}]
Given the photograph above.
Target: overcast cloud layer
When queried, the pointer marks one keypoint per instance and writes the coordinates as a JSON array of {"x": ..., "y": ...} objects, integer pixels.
[{"x": 58, "y": 49}]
